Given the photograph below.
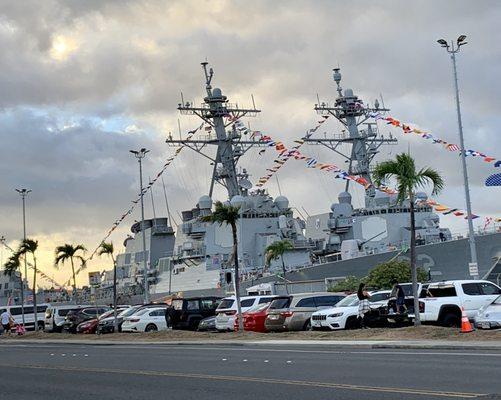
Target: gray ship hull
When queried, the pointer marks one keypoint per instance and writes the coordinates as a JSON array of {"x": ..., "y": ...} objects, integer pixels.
[{"x": 444, "y": 261}]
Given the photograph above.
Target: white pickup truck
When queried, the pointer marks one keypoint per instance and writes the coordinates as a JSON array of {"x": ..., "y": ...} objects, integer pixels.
[{"x": 443, "y": 301}]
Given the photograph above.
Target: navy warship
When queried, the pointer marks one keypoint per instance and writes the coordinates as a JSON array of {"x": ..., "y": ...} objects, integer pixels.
[{"x": 344, "y": 241}]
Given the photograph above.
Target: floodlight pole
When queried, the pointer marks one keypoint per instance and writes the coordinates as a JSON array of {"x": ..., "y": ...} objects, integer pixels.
[
  {"x": 452, "y": 50},
  {"x": 140, "y": 155},
  {"x": 23, "y": 193}
]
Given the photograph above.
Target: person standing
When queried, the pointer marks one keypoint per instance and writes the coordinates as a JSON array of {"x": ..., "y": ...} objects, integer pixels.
[
  {"x": 6, "y": 319},
  {"x": 399, "y": 293},
  {"x": 363, "y": 305}
]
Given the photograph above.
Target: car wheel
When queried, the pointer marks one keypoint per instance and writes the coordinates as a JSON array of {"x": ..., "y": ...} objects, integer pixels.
[
  {"x": 351, "y": 323},
  {"x": 151, "y": 328},
  {"x": 307, "y": 325},
  {"x": 41, "y": 326},
  {"x": 451, "y": 321}
]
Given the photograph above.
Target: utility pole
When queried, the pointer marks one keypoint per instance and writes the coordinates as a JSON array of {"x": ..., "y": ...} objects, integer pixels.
[
  {"x": 140, "y": 154},
  {"x": 452, "y": 50},
  {"x": 23, "y": 193}
]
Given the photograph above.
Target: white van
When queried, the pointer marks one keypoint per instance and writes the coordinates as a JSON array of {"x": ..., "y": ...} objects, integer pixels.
[
  {"x": 55, "y": 314},
  {"x": 29, "y": 316},
  {"x": 227, "y": 309}
]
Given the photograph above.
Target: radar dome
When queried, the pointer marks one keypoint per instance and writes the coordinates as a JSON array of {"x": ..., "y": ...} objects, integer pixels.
[
  {"x": 344, "y": 198},
  {"x": 282, "y": 202},
  {"x": 217, "y": 92},
  {"x": 205, "y": 203},
  {"x": 348, "y": 93},
  {"x": 237, "y": 201}
]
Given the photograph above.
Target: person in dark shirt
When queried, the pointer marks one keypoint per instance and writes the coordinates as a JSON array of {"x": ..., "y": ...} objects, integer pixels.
[
  {"x": 400, "y": 297},
  {"x": 363, "y": 305}
]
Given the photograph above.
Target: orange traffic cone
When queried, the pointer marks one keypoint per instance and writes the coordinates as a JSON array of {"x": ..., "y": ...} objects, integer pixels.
[{"x": 465, "y": 322}]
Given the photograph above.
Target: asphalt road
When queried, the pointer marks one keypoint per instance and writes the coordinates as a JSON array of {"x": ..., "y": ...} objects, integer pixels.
[{"x": 246, "y": 372}]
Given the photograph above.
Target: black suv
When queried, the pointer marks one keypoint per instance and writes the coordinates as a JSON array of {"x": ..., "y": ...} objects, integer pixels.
[
  {"x": 77, "y": 316},
  {"x": 187, "y": 313}
]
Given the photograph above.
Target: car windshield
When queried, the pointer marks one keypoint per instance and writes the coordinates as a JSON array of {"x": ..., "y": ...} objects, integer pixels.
[
  {"x": 281, "y": 302},
  {"x": 64, "y": 312},
  {"x": 258, "y": 308},
  {"x": 497, "y": 301},
  {"x": 128, "y": 311},
  {"x": 348, "y": 301},
  {"x": 226, "y": 303},
  {"x": 142, "y": 311},
  {"x": 106, "y": 314}
]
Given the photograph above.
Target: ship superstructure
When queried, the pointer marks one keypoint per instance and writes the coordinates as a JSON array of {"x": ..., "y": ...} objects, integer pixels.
[
  {"x": 202, "y": 252},
  {"x": 382, "y": 224}
]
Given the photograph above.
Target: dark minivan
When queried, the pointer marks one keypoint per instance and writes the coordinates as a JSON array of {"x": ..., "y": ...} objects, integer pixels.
[{"x": 187, "y": 313}]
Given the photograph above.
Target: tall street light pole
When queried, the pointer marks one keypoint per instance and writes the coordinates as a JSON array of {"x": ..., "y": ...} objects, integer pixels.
[
  {"x": 140, "y": 154},
  {"x": 453, "y": 49},
  {"x": 23, "y": 193}
]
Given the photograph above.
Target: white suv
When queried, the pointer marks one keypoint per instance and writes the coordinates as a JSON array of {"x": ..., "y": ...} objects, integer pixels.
[
  {"x": 344, "y": 314},
  {"x": 227, "y": 310}
]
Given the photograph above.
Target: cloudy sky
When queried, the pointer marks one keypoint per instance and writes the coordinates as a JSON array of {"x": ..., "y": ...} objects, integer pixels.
[{"x": 82, "y": 82}]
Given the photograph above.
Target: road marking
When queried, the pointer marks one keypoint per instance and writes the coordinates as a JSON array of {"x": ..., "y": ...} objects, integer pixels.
[
  {"x": 244, "y": 360},
  {"x": 327, "y": 385},
  {"x": 289, "y": 362},
  {"x": 266, "y": 361}
]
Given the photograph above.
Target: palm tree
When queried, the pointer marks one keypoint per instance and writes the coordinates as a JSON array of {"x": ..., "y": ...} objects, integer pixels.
[
  {"x": 10, "y": 267},
  {"x": 69, "y": 252},
  {"x": 228, "y": 214},
  {"x": 275, "y": 251},
  {"x": 108, "y": 249},
  {"x": 408, "y": 179},
  {"x": 27, "y": 246}
]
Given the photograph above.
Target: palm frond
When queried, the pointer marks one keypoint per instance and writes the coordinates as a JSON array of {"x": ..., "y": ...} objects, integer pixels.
[
  {"x": 223, "y": 214},
  {"x": 105, "y": 248},
  {"x": 12, "y": 264},
  {"x": 277, "y": 249}
]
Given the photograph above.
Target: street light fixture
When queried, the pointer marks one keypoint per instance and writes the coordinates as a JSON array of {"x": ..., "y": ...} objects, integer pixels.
[
  {"x": 24, "y": 193},
  {"x": 452, "y": 50},
  {"x": 140, "y": 154}
]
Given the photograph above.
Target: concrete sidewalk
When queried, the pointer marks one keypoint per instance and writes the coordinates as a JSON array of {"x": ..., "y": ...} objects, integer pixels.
[{"x": 357, "y": 344}]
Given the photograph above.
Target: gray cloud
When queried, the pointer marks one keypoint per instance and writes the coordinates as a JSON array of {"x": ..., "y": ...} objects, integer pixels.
[{"x": 75, "y": 74}]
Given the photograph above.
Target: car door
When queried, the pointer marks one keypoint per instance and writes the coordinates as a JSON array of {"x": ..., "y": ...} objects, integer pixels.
[
  {"x": 490, "y": 292},
  {"x": 158, "y": 318},
  {"x": 473, "y": 298}
]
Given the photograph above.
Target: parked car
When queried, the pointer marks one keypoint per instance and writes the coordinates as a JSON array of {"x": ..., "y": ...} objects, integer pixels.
[
  {"x": 90, "y": 326},
  {"x": 254, "y": 318},
  {"x": 207, "y": 324},
  {"x": 29, "y": 315},
  {"x": 447, "y": 298},
  {"x": 344, "y": 315},
  {"x": 146, "y": 320},
  {"x": 107, "y": 325},
  {"x": 187, "y": 313},
  {"x": 293, "y": 312},
  {"x": 489, "y": 316},
  {"x": 77, "y": 316},
  {"x": 227, "y": 309},
  {"x": 55, "y": 315}
]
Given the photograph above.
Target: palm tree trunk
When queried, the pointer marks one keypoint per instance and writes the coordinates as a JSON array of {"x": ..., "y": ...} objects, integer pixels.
[
  {"x": 35, "y": 310},
  {"x": 74, "y": 281},
  {"x": 115, "y": 319},
  {"x": 417, "y": 319},
  {"x": 283, "y": 269},
  {"x": 237, "y": 279}
]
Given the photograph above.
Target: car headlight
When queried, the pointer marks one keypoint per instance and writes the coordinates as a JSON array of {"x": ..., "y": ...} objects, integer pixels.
[{"x": 336, "y": 315}]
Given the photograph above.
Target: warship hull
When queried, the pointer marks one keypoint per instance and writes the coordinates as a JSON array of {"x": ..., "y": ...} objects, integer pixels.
[{"x": 443, "y": 261}]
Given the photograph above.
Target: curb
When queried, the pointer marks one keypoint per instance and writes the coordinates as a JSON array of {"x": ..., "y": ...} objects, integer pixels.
[{"x": 326, "y": 344}]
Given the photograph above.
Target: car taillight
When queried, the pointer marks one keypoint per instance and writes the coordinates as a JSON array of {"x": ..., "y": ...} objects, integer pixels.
[
  {"x": 286, "y": 314},
  {"x": 134, "y": 320},
  {"x": 233, "y": 312},
  {"x": 421, "y": 307}
]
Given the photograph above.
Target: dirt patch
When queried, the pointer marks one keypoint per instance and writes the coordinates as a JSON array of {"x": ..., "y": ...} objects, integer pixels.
[{"x": 407, "y": 333}]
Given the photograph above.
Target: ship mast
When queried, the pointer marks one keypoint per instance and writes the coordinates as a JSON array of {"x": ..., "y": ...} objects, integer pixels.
[
  {"x": 230, "y": 146},
  {"x": 365, "y": 143}
]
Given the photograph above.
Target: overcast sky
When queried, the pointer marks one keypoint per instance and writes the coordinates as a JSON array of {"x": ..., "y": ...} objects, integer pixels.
[{"x": 82, "y": 82}]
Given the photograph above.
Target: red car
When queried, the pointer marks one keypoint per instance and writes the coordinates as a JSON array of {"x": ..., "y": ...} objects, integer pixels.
[
  {"x": 254, "y": 319},
  {"x": 90, "y": 326}
]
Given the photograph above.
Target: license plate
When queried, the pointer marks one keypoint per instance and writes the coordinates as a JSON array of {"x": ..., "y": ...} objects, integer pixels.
[
  {"x": 272, "y": 316},
  {"x": 485, "y": 325}
]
